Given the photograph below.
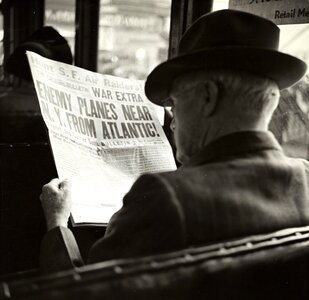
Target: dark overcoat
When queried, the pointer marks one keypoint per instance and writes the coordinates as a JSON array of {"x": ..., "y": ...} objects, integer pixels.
[{"x": 240, "y": 184}]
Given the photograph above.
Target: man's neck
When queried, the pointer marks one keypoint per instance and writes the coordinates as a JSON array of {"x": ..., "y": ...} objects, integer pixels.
[{"x": 225, "y": 127}]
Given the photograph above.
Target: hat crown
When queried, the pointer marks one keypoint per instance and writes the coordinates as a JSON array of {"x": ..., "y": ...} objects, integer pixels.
[{"x": 228, "y": 28}]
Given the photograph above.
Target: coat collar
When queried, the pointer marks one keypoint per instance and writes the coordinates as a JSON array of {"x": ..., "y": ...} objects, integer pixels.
[{"x": 235, "y": 144}]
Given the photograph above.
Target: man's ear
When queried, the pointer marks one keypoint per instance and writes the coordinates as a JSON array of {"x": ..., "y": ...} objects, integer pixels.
[{"x": 210, "y": 94}]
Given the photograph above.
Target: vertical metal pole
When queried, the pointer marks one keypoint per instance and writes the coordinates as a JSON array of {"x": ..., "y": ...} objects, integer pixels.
[
  {"x": 87, "y": 32},
  {"x": 197, "y": 8},
  {"x": 20, "y": 19},
  {"x": 177, "y": 26},
  {"x": 183, "y": 14}
]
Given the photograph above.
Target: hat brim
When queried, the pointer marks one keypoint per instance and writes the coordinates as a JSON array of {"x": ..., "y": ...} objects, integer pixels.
[{"x": 284, "y": 69}]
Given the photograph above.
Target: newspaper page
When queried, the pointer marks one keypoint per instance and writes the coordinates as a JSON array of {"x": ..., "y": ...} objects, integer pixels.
[{"x": 103, "y": 131}]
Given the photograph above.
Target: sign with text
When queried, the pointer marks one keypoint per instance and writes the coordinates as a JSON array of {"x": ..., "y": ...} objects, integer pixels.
[
  {"x": 103, "y": 131},
  {"x": 279, "y": 11}
]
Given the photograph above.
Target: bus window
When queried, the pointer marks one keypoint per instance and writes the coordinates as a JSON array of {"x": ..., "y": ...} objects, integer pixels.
[
  {"x": 290, "y": 122},
  {"x": 60, "y": 14},
  {"x": 133, "y": 36}
]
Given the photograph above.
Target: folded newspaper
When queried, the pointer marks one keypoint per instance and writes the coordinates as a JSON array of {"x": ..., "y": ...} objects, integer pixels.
[{"x": 103, "y": 132}]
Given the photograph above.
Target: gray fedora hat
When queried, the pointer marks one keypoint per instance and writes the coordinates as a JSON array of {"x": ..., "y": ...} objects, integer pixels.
[{"x": 227, "y": 39}]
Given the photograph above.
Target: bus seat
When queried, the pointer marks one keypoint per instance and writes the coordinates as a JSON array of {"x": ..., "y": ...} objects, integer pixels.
[
  {"x": 267, "y": 266},
  {"x": 25, "y": 167}
]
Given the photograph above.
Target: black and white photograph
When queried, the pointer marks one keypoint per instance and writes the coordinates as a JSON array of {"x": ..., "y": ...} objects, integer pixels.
[{"x": 154, "y": 149}]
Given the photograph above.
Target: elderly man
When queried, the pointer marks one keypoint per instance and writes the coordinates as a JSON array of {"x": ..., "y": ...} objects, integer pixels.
[{"x": 235, "y": 179}]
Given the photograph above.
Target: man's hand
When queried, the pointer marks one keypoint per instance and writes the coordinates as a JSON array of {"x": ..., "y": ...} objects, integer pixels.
[{"x": 56, "y": 202}]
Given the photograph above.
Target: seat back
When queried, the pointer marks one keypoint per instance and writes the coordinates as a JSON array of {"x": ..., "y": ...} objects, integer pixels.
[
  {"x": 272, "y": 266},
  {"x": 26, "y": 163}
]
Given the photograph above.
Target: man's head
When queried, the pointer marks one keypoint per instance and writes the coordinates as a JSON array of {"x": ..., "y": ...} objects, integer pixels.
[
  {"x": 210, "y": 104},
  {"x": 228, "y": 63}
]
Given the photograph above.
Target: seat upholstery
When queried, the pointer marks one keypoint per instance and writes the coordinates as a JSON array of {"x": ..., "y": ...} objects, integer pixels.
[{"x": 272, "y": 266}]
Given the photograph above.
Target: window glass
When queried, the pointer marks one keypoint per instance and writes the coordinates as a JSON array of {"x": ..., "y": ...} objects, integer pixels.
[
  {"x": 60, "y": 14},
  {"x": 133, "y": 36},
  {"x": 290, "y": 123}
]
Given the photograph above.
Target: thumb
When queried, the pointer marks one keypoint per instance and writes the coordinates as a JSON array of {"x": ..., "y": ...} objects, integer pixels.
[{"x": 65, "y": 184}]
